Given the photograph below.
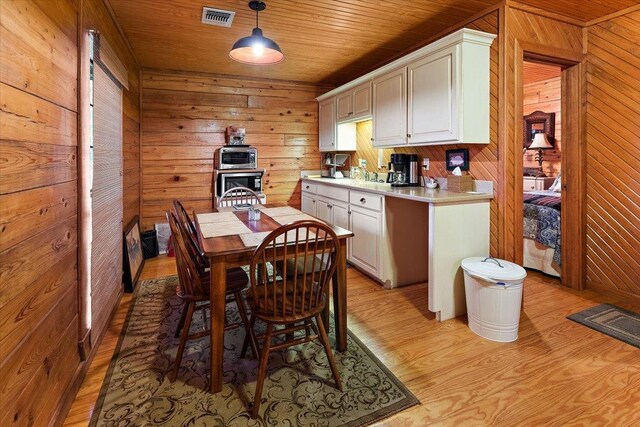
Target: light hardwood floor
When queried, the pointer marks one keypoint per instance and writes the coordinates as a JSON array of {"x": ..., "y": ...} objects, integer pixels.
[{"x": 557, "y": 373}]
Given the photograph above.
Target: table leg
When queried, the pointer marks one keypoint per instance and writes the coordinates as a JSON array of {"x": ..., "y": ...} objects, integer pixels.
[
  {"x": 340, "y": 297},
  {"x": 217, "y": 306}
]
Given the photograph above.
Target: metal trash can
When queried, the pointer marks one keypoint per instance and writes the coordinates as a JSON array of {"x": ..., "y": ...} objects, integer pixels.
[
  {"x": 493, "y": 290},
  {"x": 149, "y": 244}
]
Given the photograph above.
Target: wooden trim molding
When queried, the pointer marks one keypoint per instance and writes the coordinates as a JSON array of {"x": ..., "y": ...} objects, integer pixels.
[
  {"x": 546, "y": 13},
  {"x": 613, "y": 15}
]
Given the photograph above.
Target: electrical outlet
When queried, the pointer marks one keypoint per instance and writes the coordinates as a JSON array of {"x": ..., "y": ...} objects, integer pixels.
[{"x": 425, "y": 163}]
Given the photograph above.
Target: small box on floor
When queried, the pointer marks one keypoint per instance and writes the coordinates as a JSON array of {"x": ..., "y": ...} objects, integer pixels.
[{"x": 459, "y": 184}]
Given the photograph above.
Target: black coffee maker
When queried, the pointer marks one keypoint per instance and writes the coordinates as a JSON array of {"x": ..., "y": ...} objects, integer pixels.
[
  {"x": 403, "y": 170},
  {"x": 398, "y": 176}
]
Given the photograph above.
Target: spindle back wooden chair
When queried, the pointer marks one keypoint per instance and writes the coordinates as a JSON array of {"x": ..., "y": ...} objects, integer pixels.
[
  {"x": 292, "y": 300},
  {"x": 194, "y": 287},
  {"x": 238, "y": 196},
  {"x": 184, "y": 217}
]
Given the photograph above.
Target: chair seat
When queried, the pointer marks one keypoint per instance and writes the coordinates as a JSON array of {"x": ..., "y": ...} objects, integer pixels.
[
  {"x": 320, "y": 264},
  {"x": 265, "y": 311},
  {"x": 237, "y": 280}
]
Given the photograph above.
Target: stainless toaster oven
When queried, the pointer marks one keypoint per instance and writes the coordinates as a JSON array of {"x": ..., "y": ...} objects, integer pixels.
[{"x": 235, "y": 157}]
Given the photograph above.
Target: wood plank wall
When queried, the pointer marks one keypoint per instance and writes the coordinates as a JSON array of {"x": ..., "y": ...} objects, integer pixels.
[
  {"x": 613, "y": 155},
  {"x": 184, "y": 116},
  {"x": 483, "y": 158},
  {"x": 96, "y": 16},
  {"x": 533, "y": 31},
  {"x": 544, "y": 96},
  {"x": 38, "y": 208},
  {"x": 40, "y": 364}
]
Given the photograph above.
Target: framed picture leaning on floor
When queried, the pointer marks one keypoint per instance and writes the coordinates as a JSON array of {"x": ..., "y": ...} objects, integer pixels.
[{"x": 133, "y": 258}]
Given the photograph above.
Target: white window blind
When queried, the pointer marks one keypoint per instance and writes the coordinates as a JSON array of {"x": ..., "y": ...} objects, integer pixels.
[{"x": 106, "y": 198}]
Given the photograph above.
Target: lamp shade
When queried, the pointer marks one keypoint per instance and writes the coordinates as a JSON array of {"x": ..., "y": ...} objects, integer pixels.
[
  {"x": 256, "y": 49},
  {"x": 540, "y": 141}
]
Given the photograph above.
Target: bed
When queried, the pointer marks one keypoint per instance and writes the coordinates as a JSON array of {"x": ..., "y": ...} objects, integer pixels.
[{"x": 542, "y": 231}]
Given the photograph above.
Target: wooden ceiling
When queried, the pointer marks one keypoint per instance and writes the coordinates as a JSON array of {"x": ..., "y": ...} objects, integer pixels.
[
  {"x": 533, "y": 72},
  {"x": 324, "y": 41}
]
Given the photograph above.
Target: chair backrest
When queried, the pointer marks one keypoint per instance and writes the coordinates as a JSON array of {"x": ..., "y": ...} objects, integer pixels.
[
  {"x": 184, "y": 217},
  {"x": 189, "y": 272},
  {"x": 238, "y": 196},
  {"x": 187, "y": 225},
  {"x": 312, "y": 246}
]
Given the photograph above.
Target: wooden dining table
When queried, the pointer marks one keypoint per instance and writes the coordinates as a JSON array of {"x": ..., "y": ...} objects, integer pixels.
[{"x": 232, "y": 250}]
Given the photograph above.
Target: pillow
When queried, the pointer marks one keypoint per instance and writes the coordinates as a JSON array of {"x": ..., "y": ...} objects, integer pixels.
[{"x": 557, "y": 184}]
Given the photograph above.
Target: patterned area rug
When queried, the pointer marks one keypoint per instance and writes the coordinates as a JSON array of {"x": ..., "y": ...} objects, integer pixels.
[
  {"x": 613, "y": 321},
  {"x": 298, "y": 390}
]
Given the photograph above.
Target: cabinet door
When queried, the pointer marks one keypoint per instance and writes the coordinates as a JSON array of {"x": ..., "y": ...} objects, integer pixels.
[
  {"x": 308, "y": 204},
  {"x": 364, "y": 250},
  {"x": 390, "y": 109},
  {"x": 340, "y": 214},
  {"x": 327, "y": 124},
  {"x": 361, "y": 101},
  {"x": 433, "y": 105},
  {"x": 323, "y": 210},
  {"x": 344, "y": 109}
]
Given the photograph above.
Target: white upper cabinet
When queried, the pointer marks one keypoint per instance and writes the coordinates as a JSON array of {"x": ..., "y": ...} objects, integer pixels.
[
  {"x": 354, "y": 104},
  {"x": 344, "y": 106},
  {"x": 327, "y": 124},
  {"x": 433, "y": 84},
  {"x": 438, "y": 94},
  {"x": 390, "y": 109}
]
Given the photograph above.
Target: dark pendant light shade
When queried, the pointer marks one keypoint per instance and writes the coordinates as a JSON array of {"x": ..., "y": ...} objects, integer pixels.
[{"x": 256, "y": 49}]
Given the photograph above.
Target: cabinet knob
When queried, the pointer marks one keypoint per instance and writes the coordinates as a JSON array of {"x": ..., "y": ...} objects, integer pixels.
[
  {"x": 351, "y": 113},
  {"x": 363, "y": 200},
  {"x": 330, "y": 206},
  {"x": 372, "y": 139},
  {"x": 313, "y": 201},
  {"x": 349, "y": 212},
  {"x": 306, "y": 187},
  {"x": 408, "y": 135}
]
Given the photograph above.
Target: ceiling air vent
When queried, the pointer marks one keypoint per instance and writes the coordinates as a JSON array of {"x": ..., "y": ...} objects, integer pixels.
[{"x": 221, "y": 18}]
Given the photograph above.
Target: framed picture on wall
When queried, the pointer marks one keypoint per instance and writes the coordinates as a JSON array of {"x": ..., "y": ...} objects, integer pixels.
[
  {"x": 457, "y": 158},
  {"x": 133, "y": 258}
]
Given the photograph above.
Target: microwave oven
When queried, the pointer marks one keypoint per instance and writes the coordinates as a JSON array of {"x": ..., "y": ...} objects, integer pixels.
[
  {"x": 236, "y": 157},
  {"x": 226, "y": 180}
]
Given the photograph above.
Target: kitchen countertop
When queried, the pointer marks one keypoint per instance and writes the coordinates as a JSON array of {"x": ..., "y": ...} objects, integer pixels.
[{"x": 419, "y": 194}]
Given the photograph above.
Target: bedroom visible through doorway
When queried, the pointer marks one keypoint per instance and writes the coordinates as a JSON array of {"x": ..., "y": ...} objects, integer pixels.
[{"x": 542, "y": 166}]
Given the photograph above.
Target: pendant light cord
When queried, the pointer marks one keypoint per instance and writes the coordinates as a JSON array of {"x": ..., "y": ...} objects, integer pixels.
[{"x": 257, "y": 12}]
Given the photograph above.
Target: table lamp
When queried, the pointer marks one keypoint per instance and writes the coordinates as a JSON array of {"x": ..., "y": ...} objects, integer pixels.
[{"x": 540, "y": 142}]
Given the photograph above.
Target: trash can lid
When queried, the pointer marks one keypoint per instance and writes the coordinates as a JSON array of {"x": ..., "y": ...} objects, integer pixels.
[{"x": 493, "y": 268}]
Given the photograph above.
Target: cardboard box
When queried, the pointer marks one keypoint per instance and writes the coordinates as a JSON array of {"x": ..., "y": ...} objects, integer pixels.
[{"x": 459, "y": 184}]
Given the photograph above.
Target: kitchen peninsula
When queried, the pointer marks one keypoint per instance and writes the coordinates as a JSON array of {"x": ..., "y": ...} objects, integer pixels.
[{"x": 406, "y": 235}]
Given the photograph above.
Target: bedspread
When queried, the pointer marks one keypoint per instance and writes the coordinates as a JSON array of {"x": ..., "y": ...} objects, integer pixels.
[{"x": 542, "y": 220}]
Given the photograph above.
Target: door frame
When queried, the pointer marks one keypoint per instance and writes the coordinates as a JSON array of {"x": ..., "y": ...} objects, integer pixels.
[{"x": 573, "y": 155}]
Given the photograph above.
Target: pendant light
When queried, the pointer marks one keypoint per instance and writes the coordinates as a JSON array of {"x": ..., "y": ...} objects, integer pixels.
[{"x": 256, "y": 49}]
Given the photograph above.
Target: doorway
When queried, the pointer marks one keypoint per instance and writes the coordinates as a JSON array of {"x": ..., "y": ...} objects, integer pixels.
[
  {"x": 552, "y": 96},
  {"x": 542, "y": 166}
]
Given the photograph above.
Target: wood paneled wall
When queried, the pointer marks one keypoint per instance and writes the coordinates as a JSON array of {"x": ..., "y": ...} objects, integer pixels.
[
  {"x": 544, "y": 96},
  {"x": 38, "y": 209},
  {"x": 96, "y": 16},
  {"x": 40, "y": 363},
  {"x": 613, "y": 155},
  {"x": 483, "y": 158},
  {"x": 184, "y": 117}
]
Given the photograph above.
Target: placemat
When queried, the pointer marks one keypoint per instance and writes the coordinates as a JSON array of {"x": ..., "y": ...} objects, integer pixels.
[{"x": 219, "y": 229}]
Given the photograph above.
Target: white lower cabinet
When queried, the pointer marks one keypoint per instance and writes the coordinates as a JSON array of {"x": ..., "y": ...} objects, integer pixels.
[
  {"x": 360, "y": 212},
  {"x": 308, "y": 204},
  {"x": 333, "y": 212},
  {"x": 364, "y": 250}
]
